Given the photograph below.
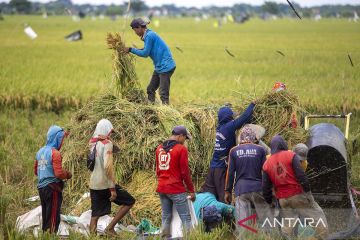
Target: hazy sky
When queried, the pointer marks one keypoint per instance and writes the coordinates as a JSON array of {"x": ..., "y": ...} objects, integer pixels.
[{"x": 202, "y": 3}]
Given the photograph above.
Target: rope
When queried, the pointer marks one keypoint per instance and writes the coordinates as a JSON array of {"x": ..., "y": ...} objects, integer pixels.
[{"x": 323, "y": 170}]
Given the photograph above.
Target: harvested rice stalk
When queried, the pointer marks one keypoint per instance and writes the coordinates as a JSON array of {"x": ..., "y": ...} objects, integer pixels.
[
  {"x": 143, "y": 187},
  {"x": 274, "y": 112},
  {"x": 124, "y": 70}
]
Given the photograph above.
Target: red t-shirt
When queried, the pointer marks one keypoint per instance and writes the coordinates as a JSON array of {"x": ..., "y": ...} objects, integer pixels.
[
  {"x": 172, "y": 170},
  {"x": 281, "y": 173}
]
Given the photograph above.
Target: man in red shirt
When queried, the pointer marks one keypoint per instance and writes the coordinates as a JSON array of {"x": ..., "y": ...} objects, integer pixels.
[
  {"x": 283, "y": 171},
  {"x": 173, "y": 174}
]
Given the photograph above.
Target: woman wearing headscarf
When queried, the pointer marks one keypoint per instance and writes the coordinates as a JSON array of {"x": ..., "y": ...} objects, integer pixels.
[{"x": 103, "y": 189}]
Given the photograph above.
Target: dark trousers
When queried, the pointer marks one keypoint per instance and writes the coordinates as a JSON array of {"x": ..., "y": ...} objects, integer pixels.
[
  {"x": 161, "y": 80},
  {"x": 51, "y": 201},
  {"x": 100, "y": 200},
  {"x": 215, "y": 183}
]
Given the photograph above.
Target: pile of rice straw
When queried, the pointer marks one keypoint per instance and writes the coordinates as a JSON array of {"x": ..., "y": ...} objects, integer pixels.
[{"x": 139, "y": 129}]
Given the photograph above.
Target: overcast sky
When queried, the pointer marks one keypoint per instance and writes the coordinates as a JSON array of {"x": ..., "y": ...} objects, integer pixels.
[{"x": 202, "y": 3}]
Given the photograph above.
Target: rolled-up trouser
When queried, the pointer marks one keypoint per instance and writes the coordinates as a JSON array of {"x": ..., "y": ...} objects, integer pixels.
[
  {"x": 243, "y": 210},
  {"x": 182, "y": 207},
  {"x": 303, "y": 205},
  {"x": 161, "y": 80}
]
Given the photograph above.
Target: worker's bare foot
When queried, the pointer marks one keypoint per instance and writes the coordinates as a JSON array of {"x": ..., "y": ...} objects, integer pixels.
[{"x": 110, "y": 232}]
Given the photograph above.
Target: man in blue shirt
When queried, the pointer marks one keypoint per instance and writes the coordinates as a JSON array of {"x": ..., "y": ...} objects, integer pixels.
[
  {"x": 207, "y": 199},
  {"x": 159, "y": 52},
  {"x": 225, "y": 139},
  {"x": 245, "y": 166},
  {"x": 212, "y": 212}
]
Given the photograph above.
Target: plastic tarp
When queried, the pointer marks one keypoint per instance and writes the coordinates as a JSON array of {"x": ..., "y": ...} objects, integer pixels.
[
  {"x": 176, "y": 224},
  {"x": 33, "y": 219},
  {"x": 29, "y": 219},
  {"x": 30, "y": 32},
  {"x": 103, "y": 222}
]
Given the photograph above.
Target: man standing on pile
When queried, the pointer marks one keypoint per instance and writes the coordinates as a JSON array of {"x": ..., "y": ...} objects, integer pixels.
[
  {"x": 48, "y": 168},
  {"x": 163, "y": 61},
  {"x": 224, "y": 141},
  {"x": 283, "y": 171},
  {"x": 172, "y": 172},
  {"x": 103, "y": 189},
  {"x": 245, "y": 165}
]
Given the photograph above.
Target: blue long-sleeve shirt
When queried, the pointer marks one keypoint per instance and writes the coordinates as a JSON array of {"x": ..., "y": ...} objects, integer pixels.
[
  {"x": 157, "y": 50},
  {"x": 225, "y": 134},
  {"x": 208, "y": 199},
  {"x": 246, "y": 162}
]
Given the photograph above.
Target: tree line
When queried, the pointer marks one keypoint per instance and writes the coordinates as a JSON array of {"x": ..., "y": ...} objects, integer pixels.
[{"x": 139, "y": 7}]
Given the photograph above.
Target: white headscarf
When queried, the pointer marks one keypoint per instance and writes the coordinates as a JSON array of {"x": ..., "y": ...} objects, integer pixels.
[{"x": 103, "y": 129}]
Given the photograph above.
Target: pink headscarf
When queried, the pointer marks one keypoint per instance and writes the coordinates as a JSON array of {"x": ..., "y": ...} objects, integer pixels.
[{"x": 247, "y": 135}]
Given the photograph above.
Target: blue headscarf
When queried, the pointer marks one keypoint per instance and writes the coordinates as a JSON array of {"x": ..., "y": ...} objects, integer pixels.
[
  {"x": 225, "y": 115},
  {"x": 55, "y": 136}
]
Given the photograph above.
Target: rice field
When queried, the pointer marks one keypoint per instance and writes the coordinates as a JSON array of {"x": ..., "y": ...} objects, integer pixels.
[
  {"x": 43, "y": 81},
  {"x": 315, "y": 64}
]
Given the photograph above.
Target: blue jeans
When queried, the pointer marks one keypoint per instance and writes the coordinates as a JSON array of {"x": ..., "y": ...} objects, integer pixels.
[{"x": 182, "y": 207}]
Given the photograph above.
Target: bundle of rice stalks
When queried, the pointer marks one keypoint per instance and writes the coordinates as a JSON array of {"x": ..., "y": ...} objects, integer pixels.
[
  {"x": 143, "y": 188},
  {"x": 124, "y": 70},
  {"x": 275, "y": 112},
  {"x": 81, "y": 207}
]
